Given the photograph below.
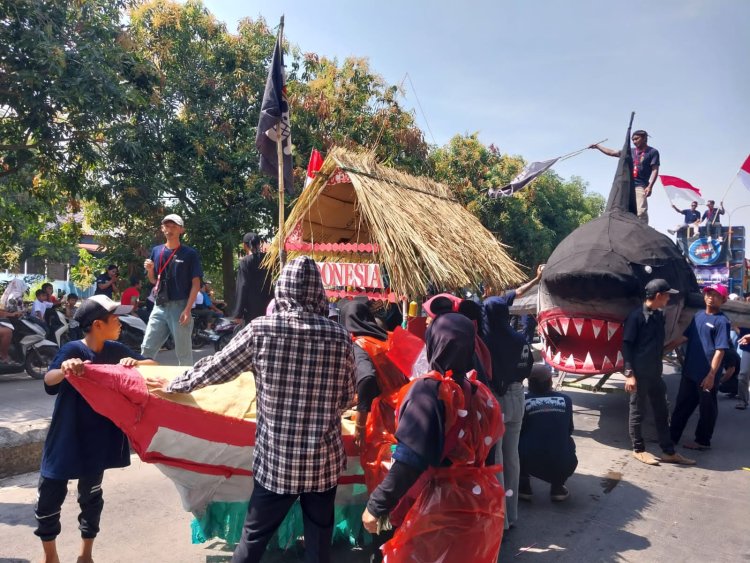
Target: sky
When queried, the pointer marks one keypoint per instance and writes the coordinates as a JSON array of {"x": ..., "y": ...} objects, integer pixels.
[{"x": 541, "y": 79}]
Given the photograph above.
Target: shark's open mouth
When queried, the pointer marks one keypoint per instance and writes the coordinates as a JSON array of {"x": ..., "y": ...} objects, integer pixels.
[{"x": 581, "y": 343}]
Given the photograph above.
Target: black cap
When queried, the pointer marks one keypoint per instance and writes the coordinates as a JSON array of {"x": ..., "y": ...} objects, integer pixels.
[
  {"x": 658, "y": 286},
  {"x": 98, "y": 308},
  {"x": 251, "y": 239}
]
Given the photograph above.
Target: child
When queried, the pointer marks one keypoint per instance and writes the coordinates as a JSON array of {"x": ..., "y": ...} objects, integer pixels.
[
  {"x": 80, "y": 443},
  {"x": 40, "y": 304}
]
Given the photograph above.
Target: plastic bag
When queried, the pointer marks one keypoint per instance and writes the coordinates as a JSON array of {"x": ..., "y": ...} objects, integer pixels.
[{"x": 458, "y": 517}]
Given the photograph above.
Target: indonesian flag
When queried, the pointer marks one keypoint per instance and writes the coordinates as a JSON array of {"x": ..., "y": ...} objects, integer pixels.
[
  {"x": 315, "y": 164},
  {"x": 744, "y": 173},
  {"x": 679, "y": 188}
]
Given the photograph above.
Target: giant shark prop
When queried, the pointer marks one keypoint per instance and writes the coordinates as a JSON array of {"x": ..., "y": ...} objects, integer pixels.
[{"x": 596, "y": 275}]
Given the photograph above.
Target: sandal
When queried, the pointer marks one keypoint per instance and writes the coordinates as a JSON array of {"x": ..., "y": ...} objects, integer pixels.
[{"x": 696, "y": 446}]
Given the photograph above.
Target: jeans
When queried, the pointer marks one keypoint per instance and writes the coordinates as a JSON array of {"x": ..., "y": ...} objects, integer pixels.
[
  {"x": 165, "y": 320},
  {"x": 690, "y": 396},
  {"x": 653, "y": 390},
  {"x": 50, "y": 498},
  {"x": 267, "y": 510},
  {"x": 743, "y": 377},
  {"x": 506, "y": 450}
]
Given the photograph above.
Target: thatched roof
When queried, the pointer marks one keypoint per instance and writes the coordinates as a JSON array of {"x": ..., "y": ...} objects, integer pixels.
[{"x": 422, "y": 232}]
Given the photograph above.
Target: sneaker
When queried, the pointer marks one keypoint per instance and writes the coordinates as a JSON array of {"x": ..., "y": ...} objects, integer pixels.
[
  {"x": 676, "y": 458},
  {"x": 671, "y": 231},
  {"x": 524, "y": 491},
  {"x": 645, "y": 457},
  {"x": 559, "y": 494}
]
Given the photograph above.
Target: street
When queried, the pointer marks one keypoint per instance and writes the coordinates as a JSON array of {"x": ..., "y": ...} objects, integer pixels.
[{"x": 619, "y": 509}]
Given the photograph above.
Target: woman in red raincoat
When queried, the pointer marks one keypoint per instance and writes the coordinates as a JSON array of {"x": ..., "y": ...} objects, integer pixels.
[
  {"x": 378, "y": 382},
  {"x": 447, "y": 504}
]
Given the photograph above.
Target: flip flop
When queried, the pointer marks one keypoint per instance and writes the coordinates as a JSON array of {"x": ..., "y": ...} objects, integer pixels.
[{"x": 696, "y": 446}]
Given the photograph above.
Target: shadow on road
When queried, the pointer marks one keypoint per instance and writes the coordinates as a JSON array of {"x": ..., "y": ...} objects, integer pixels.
[
  {"x": 589, "y": 526},
  {"x": 17, "y": 514}
]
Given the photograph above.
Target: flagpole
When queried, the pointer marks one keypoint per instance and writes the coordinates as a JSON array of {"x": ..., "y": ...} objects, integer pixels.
[
  {"x": 729, "y": 187},
  {"x": 280, "y": 157},
  {"x": 579, "y": 151}
]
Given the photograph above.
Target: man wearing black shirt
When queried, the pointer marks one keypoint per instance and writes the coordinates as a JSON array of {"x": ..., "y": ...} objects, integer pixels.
[
  {"x": 645, "y": 169},
  {"x": 642, "y": 350},
  {"x": 253, "y": 282}
]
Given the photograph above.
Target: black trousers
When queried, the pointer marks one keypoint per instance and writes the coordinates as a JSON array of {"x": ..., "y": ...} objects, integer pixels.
[
  {"x": 690, "y": 396},
  {"x": 267, "y": 511},
  {"x": 654, "y": 391},
  {"x": 52, "y": 494}
]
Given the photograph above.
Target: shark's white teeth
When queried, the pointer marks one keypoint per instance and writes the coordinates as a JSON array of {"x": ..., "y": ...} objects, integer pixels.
[
  {"x": 564, "y": 323},
  {"x": 545, "y": 329},
  {"x": 611, "y": 329},
  {"x": 570, "y": 362},
  {"x": 589, "y": 362},
  {"x": 549, "y": 353},
  {"x": 607, "y": 364},
  {"x": 552, "y": 323},
  {"x": 557, "y": 359},
  {"x": 597, "y": 326},
  {"x": 578, "y": 323},
  {"x": 619, "y": 362}
]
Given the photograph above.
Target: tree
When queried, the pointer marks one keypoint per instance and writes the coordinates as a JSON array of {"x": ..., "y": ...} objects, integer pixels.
[
  {"x": 352, "y": 106},
  {"x": 67, "y": 74},
  {"x": 532, "y": 222}
]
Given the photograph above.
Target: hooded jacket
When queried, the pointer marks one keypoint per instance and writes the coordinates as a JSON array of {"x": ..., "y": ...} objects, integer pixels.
[{"x": 304, "y": 376}]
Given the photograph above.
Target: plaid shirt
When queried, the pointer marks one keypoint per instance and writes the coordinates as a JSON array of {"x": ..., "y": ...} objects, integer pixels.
[{"x": 304, "y": 376}]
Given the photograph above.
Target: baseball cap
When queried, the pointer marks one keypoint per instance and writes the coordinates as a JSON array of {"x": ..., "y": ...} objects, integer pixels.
[
  {"x": 658, "y": 286},
  {"x": 98, "y": 308},
  {"x": 719, "y": 288},
  {"x": 176, "y": 219},
  {"x": 440, "y": 304}
]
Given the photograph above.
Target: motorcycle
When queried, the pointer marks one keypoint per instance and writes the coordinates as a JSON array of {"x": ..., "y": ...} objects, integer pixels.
[
  {"x": 201, "y": 334},
  {"x": 225, "y": 330},
  {"x": 133, "y": 329},
  {"x": 29, "y": 347}
]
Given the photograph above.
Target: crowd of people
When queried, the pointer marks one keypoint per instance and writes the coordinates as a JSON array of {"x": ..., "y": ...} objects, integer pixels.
[{"x": 447, "y": 447}]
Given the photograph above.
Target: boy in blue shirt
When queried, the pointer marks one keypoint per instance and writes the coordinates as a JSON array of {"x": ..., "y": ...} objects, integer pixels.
[
  {"x": 707, "y": 340},
  {"x": 80, "y": 443}
]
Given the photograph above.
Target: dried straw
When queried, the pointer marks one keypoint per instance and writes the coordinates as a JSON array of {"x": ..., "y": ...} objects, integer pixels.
[{"x": 424, "y": 234}]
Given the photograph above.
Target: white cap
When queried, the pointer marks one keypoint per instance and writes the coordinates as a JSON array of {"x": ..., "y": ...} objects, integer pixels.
[{"x": 176, "y": 219}]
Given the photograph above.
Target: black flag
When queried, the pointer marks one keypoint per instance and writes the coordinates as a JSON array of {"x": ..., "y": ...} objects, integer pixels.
[
  {"x": 275, "y": 110},
  {"x": 527, "y": 175}
]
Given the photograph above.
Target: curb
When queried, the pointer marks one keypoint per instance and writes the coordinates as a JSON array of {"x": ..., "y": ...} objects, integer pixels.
[{"x": 21, "y": 447}]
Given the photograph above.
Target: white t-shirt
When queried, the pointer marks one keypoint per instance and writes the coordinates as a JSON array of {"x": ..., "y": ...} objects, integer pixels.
[
  {"x": 198, "y": 299},
  {"x": 39, "y": 308}
]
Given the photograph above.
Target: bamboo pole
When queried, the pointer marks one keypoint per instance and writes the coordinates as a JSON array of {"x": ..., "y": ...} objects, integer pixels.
[{"x": 280, "y": 157}]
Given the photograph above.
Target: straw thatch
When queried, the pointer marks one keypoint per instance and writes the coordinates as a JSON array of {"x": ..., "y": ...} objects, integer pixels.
[{"x": 423, "y": 233}]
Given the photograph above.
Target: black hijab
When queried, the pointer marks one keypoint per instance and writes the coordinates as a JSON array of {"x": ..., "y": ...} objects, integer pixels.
[
  {"x": 450, "y": 344},
  {"x": 359, "y": 321}
]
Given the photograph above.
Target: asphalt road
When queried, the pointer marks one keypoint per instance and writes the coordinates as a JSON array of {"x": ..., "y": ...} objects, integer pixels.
[{"x": 619, "y": 510}]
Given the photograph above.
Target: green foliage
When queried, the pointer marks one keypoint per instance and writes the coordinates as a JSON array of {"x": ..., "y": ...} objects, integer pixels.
[
  {"x": 531, "y": 222},
  {"x": 83, "y": 274}
]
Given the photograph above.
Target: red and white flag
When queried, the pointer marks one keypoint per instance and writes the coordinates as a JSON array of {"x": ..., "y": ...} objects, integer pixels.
[
  {"x": 744, "y": 173},
  {"x": 316, "y": 162},
  {"x": 677, "y": 187}
]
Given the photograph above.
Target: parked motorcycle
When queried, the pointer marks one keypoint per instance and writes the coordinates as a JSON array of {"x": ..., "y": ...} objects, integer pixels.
[
  {"x": 132, "y": 332},
  {"x": 29, "y": 348}
]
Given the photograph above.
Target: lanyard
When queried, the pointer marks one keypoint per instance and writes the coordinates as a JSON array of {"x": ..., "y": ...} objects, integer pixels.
[
  {"x": 163, "y": 263},
  {"x": 638, "y": 161}
]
